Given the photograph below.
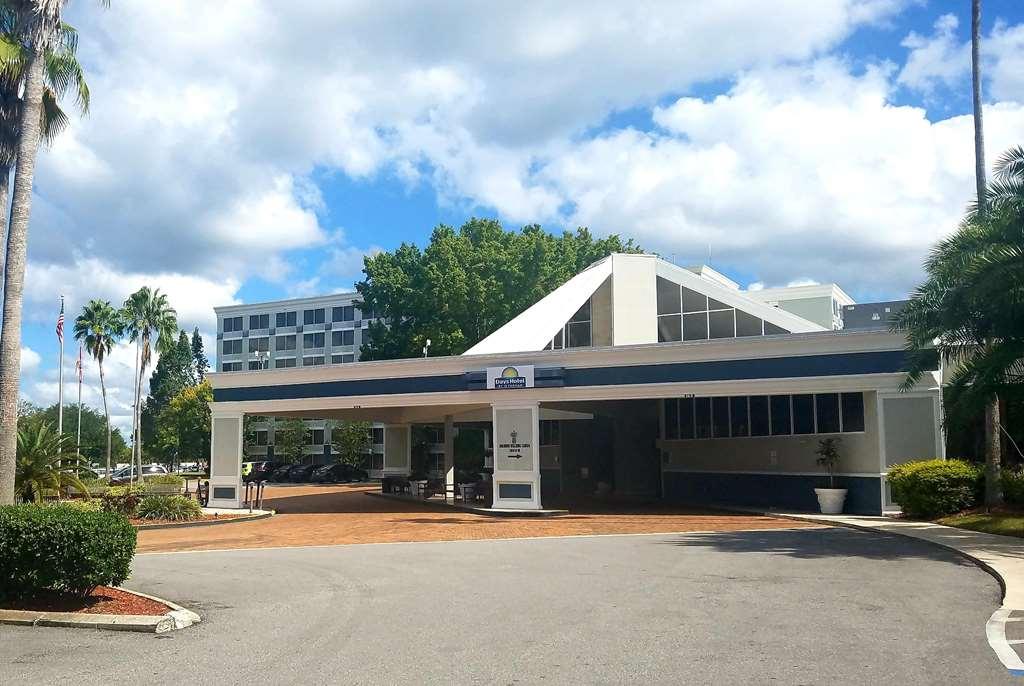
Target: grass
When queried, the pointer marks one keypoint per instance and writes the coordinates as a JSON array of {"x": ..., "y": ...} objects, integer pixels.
[{"x": 1003, "y": 522}]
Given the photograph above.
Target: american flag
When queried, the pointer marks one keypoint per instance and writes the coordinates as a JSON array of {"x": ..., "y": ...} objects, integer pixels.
[{"x": 60, "y": 322}]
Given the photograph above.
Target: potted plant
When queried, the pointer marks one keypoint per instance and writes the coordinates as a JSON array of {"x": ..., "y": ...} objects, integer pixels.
[{"x": 830, "y": 499}]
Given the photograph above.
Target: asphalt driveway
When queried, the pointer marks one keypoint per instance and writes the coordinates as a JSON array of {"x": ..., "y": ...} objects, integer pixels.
[{"x": 782, "y": 606}]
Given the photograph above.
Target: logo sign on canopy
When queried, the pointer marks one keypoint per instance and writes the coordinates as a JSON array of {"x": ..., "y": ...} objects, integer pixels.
[{"x": 510, "y": 377}]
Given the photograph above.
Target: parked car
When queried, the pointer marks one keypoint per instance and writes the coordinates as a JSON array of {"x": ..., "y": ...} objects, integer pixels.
[
  {"x": 261, "y": 471},
  {"x": 337, "y": 473},
  {"x": 280, "y": 473},
  {"x": 300, "y": 473},
  {"x": 126, "y": 474}
]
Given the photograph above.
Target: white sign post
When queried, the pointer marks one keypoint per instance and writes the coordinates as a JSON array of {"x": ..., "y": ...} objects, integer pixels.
[{"x": 516, "y": 456}]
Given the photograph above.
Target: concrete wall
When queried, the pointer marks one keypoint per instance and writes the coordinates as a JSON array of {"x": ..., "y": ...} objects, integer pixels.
[
  {"x": 634, "y": 300},
  {"x": 910, "y": 429},
  {"x": 817, "y": 310},
  {"x": 396, "y": 448}
]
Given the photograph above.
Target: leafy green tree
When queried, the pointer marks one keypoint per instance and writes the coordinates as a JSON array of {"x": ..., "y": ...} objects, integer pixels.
[
  {"x": 184, "y": 425},
  {"x": 147, "y": 313},
  {"x": 174, "y": 372},
  {"x": 99, "y": 327},
  {"x": 44, "y": 462},
  {"x": 350, "y": 441},
  {"x": 36, "y": 47},
  {"x": 970, "y": 309},
  {"x": 289, "y": 439},
  {"x": 94, "y": 431},
  {"x": 202, "y": 365},
  {"x": 467, "y": 283}
]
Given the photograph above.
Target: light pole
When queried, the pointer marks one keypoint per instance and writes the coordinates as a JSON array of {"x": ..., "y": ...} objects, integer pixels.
[
  {"x": 262, "y": 358},
  {"x": 426, "y": 348}
]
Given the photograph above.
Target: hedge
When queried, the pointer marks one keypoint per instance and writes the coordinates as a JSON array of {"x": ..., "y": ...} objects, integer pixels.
[
  {"x": 176, "y": 508},
  {"x": 933, "y": 488},
  {"x": 62, "y": 548},
  {"x": 1013, "y": 487}
]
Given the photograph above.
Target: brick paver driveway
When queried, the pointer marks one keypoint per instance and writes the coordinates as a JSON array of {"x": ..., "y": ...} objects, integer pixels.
[{"x": 328, "y": 515}]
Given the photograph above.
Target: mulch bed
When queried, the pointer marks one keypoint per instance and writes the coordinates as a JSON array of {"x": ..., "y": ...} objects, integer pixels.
[
  {"x": 205, "y": 518},
  {"x": 102, "y": 601}
]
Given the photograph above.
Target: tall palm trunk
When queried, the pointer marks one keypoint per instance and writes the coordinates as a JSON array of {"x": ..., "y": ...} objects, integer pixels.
[
  {"x": 14, "y": 271},
  {"x": 5, "y": 198},
  {"x": 993, "y": 446},
  {"x": 106, "y": 411}
]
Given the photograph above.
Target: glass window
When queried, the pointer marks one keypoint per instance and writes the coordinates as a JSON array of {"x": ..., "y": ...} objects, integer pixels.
[
  {"x": 717, "y": 305},
  {"x": 578, "y": 334},
  {"x": 721, "y": 324},
  {"x": 694, "y": 301},
  {"x": 232, "y": 347},
  {"x": 284, "y": 363},
  {"x": 550, "y": 432},
  {"x": 231, "y": 367},
  {"x": 377, "y": 435},
  {"x": 313, "y": 340},
  {"x": 770, "y": 329},
  {"x": 344, "y": 313},
  {"x": 259, "y": 344},
  {"x": 670, "y": 328},
  {"x": 853, "y": 411},
  {"x": 668, "y": 297},
  {"x": 582, "y": 314},
  {"x": 284, "y": 343},
  {"x": 260, "y": 437},
  {"x": 780, "y": 416},
  {"x": 695, "y": 327},
  {"x": 232, "y": 324},
  {"x": 747, "y": 324},
  {"x": 344, "y": 337},
  {"x": 720, "y": 417},
  {"x": 313, "y": 316},
  {"x": 312, "y": 361},
  {"x": 342, "y": 359},
  {"x": 315, "y": 437},
  {"x": 686, "y": 418},
  {"x": 285, "y": 319},
  {"x": 828, "y": 412},
  {"x": 803, "y": 414},
  {"x": 702, "y": 412},
  {"x": 556, "y": 342},
  {"x": 759, "y": 425},
  {"x": 259, "y": 321},
  {"x": 671, "y": 418},
  {"x": 738, "y": 413}
]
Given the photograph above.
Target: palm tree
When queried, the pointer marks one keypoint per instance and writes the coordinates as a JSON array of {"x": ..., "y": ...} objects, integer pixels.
[
  {"x": 43, "y": 463},
  {"x": 98, "y": 327},
  {"x": 38, "y": 33},
  {"x": 971, "y": 307},
  {"x": 147, "y": 313}
]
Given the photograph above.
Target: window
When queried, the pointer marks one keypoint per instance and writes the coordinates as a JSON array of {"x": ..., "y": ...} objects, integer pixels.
[
  {"x": 557, "y": 341},
  {"x": 668, "y": 297},
  {"x": 434, "y": 434},
  {"x": 702, "y": 417},
  {"x": 695, "y": 327},
  {"x": 435, "y": 462},
  {"x": 759, "y": 415},
  {"x": 827, "y": 405},
  {"x": 770, "y": 329},
  {"x": 803, "y": 414},
  {"x": 738, "y": 414},
  {"x": 255, "y": 365},
  {"x": 720, "y": 417},
  {"x": 686, "y": 424},
  {"x": 671, "y": 419},
  {"x": 670, "y": 328},
  {"x": 259, "y": 321},
  {"x": 315, "y": 437},
  {"x": 374, "y": 461},
  {"x": 343, "y": 359},
  {"x": 344, "y": 313},
  {"x": 780, "y": 415},
  {"x": 313, "y": 316},
  {"x": 232, "y": 324},
  {"x": 285, "y": 319},
  {"x": 853, "y": 411},
  {"x": 313, "y": 340},
  {"x": 312, "y": 361},
  {"x": 260, "y": 437},
  {"x": 346, "y": 337},
  {"x": 577, "y": 331},
  {"x": 550, "y": 432},
  {"x": 722, "y": 324},
  {"x": 232, "y": 347},
  {"x": 231, "y": 367},
  {"x": 284, "y": 343},
  {"x": 284, "y": 363},
  {"x": 259, "y": 345},
  {"x": 748, "y": 325},
  {"x": 694, "y": 301},
  {"x": 377, "y": 435}
]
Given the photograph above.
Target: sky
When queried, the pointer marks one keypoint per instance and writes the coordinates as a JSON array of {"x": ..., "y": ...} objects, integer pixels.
[{"x": 240, "y": 151}]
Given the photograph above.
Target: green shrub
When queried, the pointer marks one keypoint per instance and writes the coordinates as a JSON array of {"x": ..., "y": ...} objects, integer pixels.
[
  {"x": 176, "y": 508},
  {"x": 933, "y": 488},
  {"x": 1013, "y": 487},
  {"x": 62, "y": 548},
  {"x": 165, "y": 480},
  {"x": 90, "y": 505},
  {"x": 122, "y": 500}
]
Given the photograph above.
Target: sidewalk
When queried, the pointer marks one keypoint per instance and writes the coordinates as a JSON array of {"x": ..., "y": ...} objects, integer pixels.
[{"x": 1001, "y": 556}]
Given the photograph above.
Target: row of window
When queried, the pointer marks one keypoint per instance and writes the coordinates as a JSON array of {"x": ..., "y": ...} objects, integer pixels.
[
  {"x": 288, "y": 362},
  {"x": 577, "y": 332},
  {"x": 233, "y": 346},
  {"x": 261, "y": 437},
  {"x": 258, "y": 322},
  {"x": 764, "y": 415},
  {"x": 686, "y": 315}
]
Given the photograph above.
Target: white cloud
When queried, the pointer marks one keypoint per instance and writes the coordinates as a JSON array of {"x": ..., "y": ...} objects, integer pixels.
[{"x": 30, "y": 360}]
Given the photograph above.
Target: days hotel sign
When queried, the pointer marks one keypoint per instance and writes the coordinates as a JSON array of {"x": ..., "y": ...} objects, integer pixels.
[{"x": 511, "y": 376}]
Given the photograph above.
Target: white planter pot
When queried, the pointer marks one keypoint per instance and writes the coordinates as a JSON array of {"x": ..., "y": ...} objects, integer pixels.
[{"x": 831, "y": 500}]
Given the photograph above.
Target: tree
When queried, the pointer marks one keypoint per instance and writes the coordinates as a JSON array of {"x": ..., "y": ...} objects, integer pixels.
[
  {"x": 972, "y": 307},
  {"x": 174, "y": 372},
  {"x": 38, "y": 32},
  {"x": 94, "y": 431},
  {"x": 199, "y": 355},
  {"x": 146, "y": 313},
  {"x": 44, "y": 462},
  {"x": 99, "y": 326},
  {"x": 289, "y": 439},
  {"x": 467, "y": 283},
  {"x": 185, "y": 422},
  {"x": 350, "y": 441}
]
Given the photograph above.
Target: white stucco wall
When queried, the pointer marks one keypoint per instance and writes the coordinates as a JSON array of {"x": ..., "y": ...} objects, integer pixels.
[{"x": 634, "y": 299}]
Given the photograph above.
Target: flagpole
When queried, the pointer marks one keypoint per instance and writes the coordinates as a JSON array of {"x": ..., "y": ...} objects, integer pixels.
[
  {"x": 60, "y": 368},
  {"x": 78, "y": 434}
]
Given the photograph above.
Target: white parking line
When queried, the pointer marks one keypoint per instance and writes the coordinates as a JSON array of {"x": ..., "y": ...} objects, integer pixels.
[{"x": 995, "y": 631}]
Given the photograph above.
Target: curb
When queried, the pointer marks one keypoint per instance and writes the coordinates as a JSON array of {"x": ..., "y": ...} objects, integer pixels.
[
  {"x": 177, "y": 618},
  {"x": 206, "y": 522},
  {"x": 485, "y": 512}
]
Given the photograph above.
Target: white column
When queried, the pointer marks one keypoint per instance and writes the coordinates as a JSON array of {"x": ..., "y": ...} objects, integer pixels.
[
  {"x": 516, "y": 455},
  {"x": 397, "y": 448},
  {"x": 226, "y": 459},
  {"x": 449, "y": 455}
]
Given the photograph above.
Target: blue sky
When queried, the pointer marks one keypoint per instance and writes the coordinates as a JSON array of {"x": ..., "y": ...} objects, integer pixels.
[{"x": 239, "y": 152}]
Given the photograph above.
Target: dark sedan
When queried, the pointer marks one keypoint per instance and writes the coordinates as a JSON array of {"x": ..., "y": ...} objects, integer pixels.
[
  {"x": 337, "y": 473},
  {"x": 300, "y": 473}
]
